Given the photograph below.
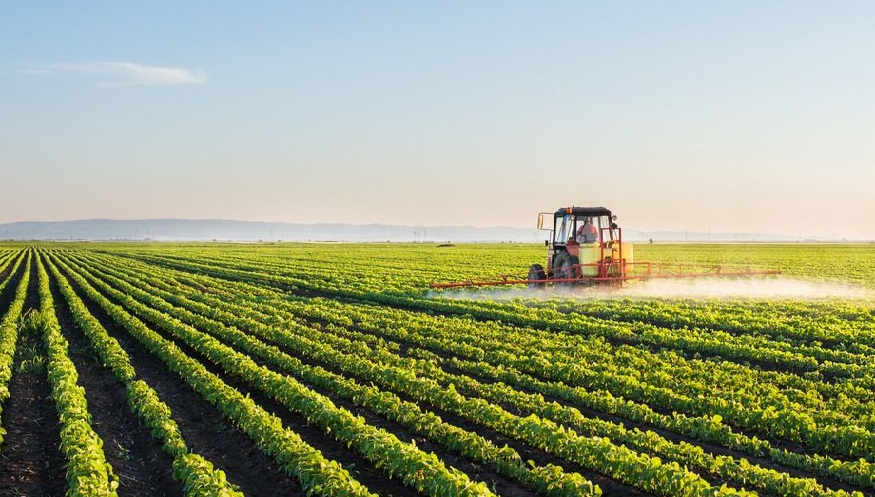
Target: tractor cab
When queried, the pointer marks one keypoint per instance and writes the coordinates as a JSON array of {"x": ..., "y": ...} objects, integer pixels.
[{"x": 581, "y": 225}]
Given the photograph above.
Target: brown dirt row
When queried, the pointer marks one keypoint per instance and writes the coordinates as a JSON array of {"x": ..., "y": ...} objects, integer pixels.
[
  {"x": 7, "y": 270},
  {"x": 205, "y": 430},
  {"x": 31, "y": 463},
  {"x": 475, "y": 470},
  {"x": 8, "y": 293},
  {"x": 209, "y": 434},
  {"x": 137, "y": 458},
  {"x": 361, "y": 469}
]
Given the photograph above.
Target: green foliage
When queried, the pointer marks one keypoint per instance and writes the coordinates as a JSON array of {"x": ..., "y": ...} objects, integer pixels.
[
  {"x": 197, "y": 474},
  {"x": 9, "y": 323},
  {"x": 675, "y": 397},
  {"x": 88, "y": 473},
  {"x": 293, "y": 454}
]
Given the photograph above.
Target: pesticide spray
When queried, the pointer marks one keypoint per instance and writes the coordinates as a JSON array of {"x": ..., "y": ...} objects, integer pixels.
[{"x": 779, "y": 288}]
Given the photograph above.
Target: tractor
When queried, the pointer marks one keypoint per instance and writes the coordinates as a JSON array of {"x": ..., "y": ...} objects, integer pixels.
[{"x": 586, "y": 248}]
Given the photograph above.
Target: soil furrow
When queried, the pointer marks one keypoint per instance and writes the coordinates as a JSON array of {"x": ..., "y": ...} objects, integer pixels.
[
  {"x": 137, "y": 458},
  {"x": 31, "y": 463},
  {"x": 205, "y": 430}
]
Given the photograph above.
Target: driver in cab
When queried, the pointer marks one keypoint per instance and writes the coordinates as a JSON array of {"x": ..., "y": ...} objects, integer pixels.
[{"x": 587, "y": 233}]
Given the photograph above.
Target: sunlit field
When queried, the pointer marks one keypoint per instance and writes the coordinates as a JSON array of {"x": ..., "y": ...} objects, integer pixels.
[{"x": 334, "y": 369}]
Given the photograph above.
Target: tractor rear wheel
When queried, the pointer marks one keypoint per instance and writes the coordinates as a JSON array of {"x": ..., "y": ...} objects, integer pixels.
[
  {"x": 565, "y": 267},
  {"x": 537, "y": 276}
]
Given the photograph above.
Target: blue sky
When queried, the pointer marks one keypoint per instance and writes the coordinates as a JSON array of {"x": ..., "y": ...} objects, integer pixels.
[{"x": 724, "y": 116}]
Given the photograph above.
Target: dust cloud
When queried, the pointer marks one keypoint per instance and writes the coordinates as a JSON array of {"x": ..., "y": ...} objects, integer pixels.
[
  {"x": 769, "y": 288},
  {"x": 756, "y": 288}
]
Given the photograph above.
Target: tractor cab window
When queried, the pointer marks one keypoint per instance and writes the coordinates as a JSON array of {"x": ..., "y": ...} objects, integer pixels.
[
  {"x": 564, "y": 229},
  {"x": 606, "y": 222}
]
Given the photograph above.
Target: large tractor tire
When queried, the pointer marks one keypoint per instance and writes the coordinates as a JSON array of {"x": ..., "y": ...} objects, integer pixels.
[
  {"x": 565, "y": 267},
  {"x": 537, "y": 275}
]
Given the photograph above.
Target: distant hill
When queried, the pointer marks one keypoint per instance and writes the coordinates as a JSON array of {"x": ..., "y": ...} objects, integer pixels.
[{"x": 251, "y": 231}]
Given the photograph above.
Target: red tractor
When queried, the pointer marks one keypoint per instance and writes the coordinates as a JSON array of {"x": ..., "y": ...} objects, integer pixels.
[{"x": 585, "y": 246}]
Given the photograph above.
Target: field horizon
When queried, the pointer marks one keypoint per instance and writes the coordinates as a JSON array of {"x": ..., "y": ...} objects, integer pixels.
[{"x": 178, "y": 229}]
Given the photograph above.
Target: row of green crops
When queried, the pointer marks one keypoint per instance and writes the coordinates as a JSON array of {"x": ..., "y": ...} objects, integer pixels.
[
  {"x": 549, "y": 479},
  {"x": 286, "y": 447},
  {"x": 596, "y": 453},
  {"x": 9, "y": 333},
  {"x": 197, "y": 474},
  {"x": 687, "y": 455},
  {"x": 88, "y": 473},
  {"x": 844, "y": 426},
  {"x": 257, "y": 276},
  {"x": 654, "y": 396},
  {"x": 409, "y": 268}
]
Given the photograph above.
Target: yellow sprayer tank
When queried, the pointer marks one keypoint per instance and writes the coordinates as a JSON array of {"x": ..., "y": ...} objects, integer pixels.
[
  {"x": 590, "y": 253},
  {"x": 589, "y": 258},
  {"x": 627, "y": 252}
]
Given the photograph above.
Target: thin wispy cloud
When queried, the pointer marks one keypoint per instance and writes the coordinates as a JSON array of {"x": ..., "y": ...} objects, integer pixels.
[{"x": 110, "y": 73}]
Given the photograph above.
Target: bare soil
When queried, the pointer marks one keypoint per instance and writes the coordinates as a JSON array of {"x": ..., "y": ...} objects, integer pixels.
[
  {"x": 137, "y": 458},
  {"x": 31, "y": 463},
  {"x": 205, "y": 431},
  {"x": 361, "y": 469}
]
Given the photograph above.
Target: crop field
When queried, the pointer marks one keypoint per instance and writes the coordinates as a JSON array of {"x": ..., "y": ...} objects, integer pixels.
[{"x": 332, "y": 369}]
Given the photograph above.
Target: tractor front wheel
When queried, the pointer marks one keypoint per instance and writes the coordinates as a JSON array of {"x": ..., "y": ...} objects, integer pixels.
[{"x": 565, "y": 267}]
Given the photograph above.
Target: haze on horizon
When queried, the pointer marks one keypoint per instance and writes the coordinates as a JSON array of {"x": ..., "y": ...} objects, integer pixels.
[{"x": 747, "y": 117}]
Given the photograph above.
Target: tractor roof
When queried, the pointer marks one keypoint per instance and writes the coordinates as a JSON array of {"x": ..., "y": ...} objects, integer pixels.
[{"x": 583, "y": 211}]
